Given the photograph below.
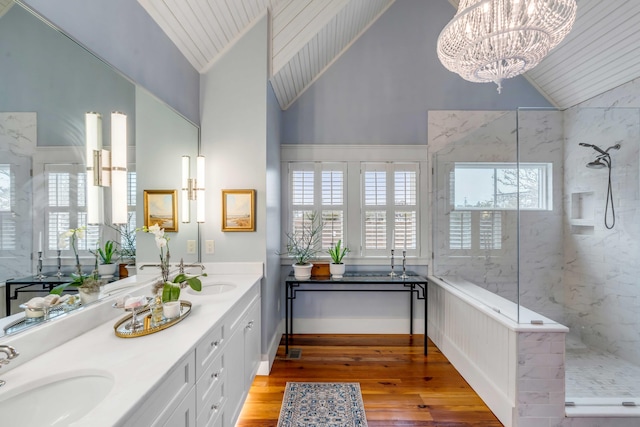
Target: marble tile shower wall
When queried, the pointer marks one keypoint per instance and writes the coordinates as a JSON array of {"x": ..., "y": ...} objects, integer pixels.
[
  {"x": 482, "y": 136},
  {"x": 601, "y": 274},
  {"x": 18, "y": 139}
]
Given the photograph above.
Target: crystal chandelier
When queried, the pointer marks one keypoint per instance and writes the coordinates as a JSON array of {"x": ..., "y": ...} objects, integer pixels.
[{"x": 492, "y": 40}]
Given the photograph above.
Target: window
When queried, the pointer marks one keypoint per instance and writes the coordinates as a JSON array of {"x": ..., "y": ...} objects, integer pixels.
[
  {"x": 7, "y": 201},
  {"x": 367, "y": 196},
  {"x": 131, "y": 206},
  {"x": 318, "y": 188},
  {"x": 495, "y": 186},
  {"x": 481, "y": 194},
  {"x": 390, "y": 207},
  {"x": 66, "y": 207}
]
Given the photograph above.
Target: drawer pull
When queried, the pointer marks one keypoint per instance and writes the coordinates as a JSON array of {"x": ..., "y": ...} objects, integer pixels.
[
  {"x": 250, "y": 325},
  {"x": 214, "y": 407},
  {"x": 214, "y": 343},
  {"x": 215, "y": 375}
]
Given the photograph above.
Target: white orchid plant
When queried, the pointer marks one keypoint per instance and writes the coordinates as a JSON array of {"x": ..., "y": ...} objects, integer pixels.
[
  {"x": 72, "y": 236},
  {"x": 91, "y": 282},
  {"x": 171, "y": 288}
]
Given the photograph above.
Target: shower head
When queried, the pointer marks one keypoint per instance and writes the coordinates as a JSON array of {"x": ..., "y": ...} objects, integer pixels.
[{"x": 596, "y": 164}]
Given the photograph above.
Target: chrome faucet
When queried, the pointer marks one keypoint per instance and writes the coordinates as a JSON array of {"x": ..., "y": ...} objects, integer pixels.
[
  {"x": 10, "y": 353},
  {"x": 181, "y": 266}
]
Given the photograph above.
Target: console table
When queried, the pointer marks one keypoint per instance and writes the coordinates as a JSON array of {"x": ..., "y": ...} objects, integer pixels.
[
  {"x": 30, "y": 284},
  {"x": 357, "y": 282}
]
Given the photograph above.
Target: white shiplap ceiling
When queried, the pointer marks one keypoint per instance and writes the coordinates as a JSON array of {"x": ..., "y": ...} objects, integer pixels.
[
  {"x": 601, "y": 52},
  {"x": 307, "y": 36}
]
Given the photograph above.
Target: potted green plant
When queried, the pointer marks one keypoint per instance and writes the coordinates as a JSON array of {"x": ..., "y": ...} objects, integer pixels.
[
  {"x": 88, "y": 286},
  {"x": 170, "y": 288},
  {"x": 107, "y": 255},
  {"x": 337, "y": 252},
  {"x": 302, "y": 245}
]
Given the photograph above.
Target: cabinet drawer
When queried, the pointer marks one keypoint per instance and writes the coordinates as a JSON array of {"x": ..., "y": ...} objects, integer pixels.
[
  {"x": 185, "y": 413},
  {"x": 209, "y": 348},
  {"x": 236, "y": 319},
  {"x": 210, "y": 410},
  {"x": 210, "y": 381},
  {"x": 168, "y": 396}
]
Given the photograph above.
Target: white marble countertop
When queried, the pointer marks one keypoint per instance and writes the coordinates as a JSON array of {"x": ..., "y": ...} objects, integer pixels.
[{"x": 136, "y": 365}]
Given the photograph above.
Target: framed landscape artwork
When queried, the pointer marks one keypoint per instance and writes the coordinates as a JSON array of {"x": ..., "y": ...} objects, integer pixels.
[
  {"x": 238, "y": 210},
  {"x": 161, "y": 207}
]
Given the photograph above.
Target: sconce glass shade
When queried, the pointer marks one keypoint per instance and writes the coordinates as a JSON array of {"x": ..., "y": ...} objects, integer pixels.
[
  {"x": 93, "y": 145},
  {"x": 119, "y": 168},
  {"x": 185, "y": 211},
  {"x": 192, "y": 189},
  {"x": 492, "y": 40},
  {"x": 200, "y": 173}
]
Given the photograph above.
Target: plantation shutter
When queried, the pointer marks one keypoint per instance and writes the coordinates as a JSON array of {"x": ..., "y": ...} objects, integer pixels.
[
  {"x": 390, "y": 208},
  {"x": 318, "y": 188},
  {"x": 7, "y": 202},
  {"x": 460, "y": 230},
  {"x": 65, "y": 187}
]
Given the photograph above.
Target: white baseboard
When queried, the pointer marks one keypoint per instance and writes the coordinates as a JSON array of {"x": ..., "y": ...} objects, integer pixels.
[
  {"x": 356, "y": 326},
  {"x": 267, "y": 360}
]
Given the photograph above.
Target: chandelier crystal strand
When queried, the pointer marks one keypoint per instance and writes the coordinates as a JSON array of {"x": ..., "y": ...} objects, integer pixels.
[{"x": 493, "y": 40}]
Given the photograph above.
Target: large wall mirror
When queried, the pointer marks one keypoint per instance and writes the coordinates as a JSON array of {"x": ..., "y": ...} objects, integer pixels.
[{"x": 48, "y": 84}]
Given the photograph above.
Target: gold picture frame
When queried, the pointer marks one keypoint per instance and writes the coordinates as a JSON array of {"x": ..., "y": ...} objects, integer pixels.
[
  {"x": 161, "y": 207},
  {"x": 238, "y": 210}
]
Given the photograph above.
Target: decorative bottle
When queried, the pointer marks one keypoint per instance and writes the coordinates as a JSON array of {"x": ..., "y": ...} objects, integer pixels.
[{"x": 156, "y": 311}]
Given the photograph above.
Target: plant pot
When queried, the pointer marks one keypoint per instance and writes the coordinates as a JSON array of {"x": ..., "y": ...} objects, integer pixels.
[
  {"x": 131, "y": 269},
  {"x": 337, "y": 270},
  {"x": 106, "y": 271},
  {"x": 87, "y": 297},
  {"x": 302, "y": 272},
  {"x": 171, "y": 309}
]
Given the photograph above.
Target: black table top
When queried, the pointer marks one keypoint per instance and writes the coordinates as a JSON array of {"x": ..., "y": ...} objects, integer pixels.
[
  {"x": 50, "y": 278},
  {"x": 380, "y": 277}
]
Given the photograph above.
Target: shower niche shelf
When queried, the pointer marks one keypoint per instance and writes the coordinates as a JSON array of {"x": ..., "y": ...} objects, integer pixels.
[{"x": 582, "y": 212}]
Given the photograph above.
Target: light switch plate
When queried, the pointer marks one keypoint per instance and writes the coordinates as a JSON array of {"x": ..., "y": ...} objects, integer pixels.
[
  {"x": 209, "y": 246},
  {"x": 191, "y": 246}
]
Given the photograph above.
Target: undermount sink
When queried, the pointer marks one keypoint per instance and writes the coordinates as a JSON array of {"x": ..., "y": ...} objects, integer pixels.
[
  {"x": 213, "y": 289},
  {"x": 56, "y": 400}
]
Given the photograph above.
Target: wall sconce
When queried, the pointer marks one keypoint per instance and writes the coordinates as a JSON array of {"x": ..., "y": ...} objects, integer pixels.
[
  {"x": 192, "y": 189},
  {"x": 106, "y": 169},
  {"x": 119, "y": 211},
  {"x": 93, "y": 146}
]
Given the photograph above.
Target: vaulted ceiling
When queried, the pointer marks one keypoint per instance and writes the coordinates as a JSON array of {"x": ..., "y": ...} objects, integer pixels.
[{"x": 307, "y": 36}]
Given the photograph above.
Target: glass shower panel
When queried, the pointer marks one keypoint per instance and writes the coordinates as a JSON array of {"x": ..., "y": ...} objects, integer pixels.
[
  {"x": 475, "y": 212},
  {"x": 579, "y": 260}
]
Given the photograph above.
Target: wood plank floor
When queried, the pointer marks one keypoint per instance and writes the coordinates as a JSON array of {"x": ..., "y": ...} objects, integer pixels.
[{"x": 400, "y": 386}]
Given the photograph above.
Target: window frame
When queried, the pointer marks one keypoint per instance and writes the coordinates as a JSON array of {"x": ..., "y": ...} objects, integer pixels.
[{"x": 354, "y": 156}]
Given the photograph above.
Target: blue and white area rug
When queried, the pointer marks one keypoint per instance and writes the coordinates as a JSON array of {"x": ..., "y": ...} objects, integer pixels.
[{"x": 322, "y": 405}]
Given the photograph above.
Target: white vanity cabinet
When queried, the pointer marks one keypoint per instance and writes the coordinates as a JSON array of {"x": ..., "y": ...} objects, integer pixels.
[
  {"x": 244, "y": 344},
  {"x": 227, "y": 361},
  {"x": 211, "y": 385},
  {"x": 169, "y": 398}
]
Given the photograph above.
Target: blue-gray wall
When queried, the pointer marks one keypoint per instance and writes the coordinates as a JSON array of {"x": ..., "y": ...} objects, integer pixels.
[
  {"x": 380, "y": 90},
  {"x": 44, "y": 72},
  {"x": 123, "y": 34}
]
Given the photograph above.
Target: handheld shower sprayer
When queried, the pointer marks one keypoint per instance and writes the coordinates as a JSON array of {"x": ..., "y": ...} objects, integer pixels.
[{"x": 604, "y": 160}]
